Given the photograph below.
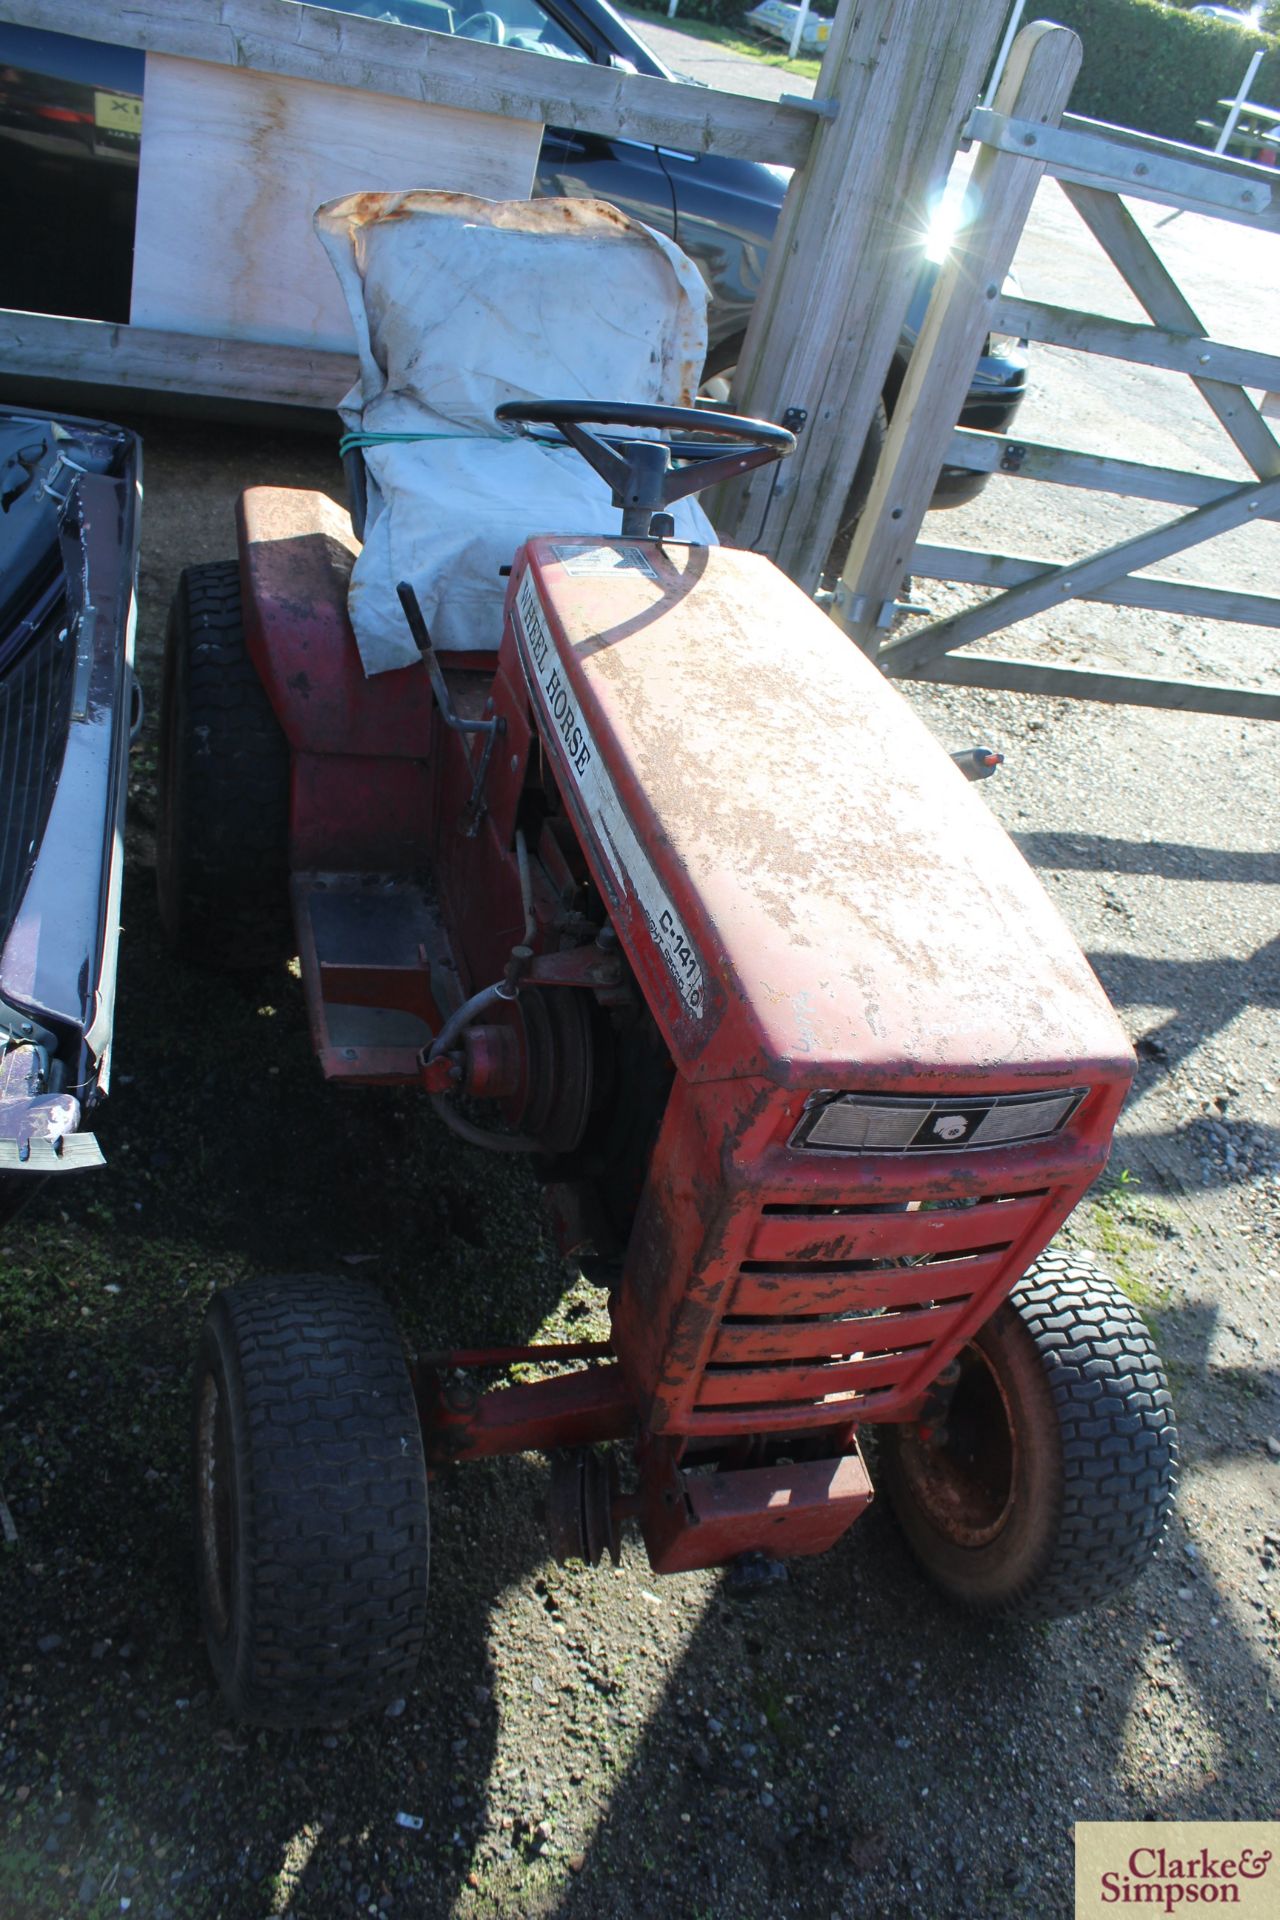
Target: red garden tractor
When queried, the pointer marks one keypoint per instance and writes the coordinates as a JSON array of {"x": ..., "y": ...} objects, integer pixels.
[{"x": 671, "y": 891}]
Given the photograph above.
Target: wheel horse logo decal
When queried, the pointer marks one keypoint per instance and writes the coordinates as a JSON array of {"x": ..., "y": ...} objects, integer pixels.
[
  {"x": 628, "y": 864},
  {"x": 951, "y": 1126}
]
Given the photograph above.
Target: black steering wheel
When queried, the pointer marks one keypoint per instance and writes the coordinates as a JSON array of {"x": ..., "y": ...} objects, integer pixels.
[{"x": 640, "y": 472}]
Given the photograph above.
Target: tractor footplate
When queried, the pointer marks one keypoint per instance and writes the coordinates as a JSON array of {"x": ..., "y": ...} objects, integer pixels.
[
  {"x": 375, "y": 968},
  {"x": 693, "y": 1519}
]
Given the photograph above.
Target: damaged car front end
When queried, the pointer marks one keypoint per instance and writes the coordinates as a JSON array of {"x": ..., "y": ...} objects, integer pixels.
[{"x": 70, "y": 494}]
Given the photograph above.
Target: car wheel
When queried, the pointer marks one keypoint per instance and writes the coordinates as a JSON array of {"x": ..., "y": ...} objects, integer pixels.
[
  {"x": 1049, "y": 1483},
  {"x": 222, "y": 843},
  {"x": 311, "y": 1502}
]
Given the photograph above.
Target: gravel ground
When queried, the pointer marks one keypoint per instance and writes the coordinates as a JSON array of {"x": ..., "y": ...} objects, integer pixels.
[{"x": 580, "y": 1743}]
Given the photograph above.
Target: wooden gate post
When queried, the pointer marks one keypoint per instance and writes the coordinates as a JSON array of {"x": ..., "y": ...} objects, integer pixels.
[
  {"x": 1035, "y": 89},
  {"x": 898, "y": 80}
]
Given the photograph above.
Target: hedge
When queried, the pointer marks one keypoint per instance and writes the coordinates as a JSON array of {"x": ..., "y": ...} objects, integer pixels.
[
  {"x": 1146, "y": 65},
  {"x": 1151, "y": 67}
]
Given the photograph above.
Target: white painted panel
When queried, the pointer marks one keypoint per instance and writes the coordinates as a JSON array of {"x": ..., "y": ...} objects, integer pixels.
[{"x": 235, "y": 163}]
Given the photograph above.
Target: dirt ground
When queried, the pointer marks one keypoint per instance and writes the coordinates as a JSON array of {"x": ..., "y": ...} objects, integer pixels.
[{"x": 577, "y": 1742}]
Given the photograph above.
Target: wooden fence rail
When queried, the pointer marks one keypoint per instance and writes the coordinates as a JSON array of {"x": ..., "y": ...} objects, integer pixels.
[
  {"x": 342, "y": 49},
  {"x": 232, "y": 299},
  {"x": 870, "y": 152},
  {"x": 900, "y": 77}
]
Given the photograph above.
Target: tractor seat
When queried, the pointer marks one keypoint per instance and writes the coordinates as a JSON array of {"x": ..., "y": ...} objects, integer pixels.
[{"x": 460, "y": 304}]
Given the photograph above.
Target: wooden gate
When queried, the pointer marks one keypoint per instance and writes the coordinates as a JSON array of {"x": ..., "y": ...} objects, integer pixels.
[{"x": 1097, "y": 165}]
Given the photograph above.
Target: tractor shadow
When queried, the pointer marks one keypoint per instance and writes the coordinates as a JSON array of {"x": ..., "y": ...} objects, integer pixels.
[
  {"x": 227, "y": 1157},
  {"x": 844, "y": 1744},
  {"x": 1204, "y": 996},
  {"x": 848, "y": 1744},
  {"x": 576, "y": 1742}
]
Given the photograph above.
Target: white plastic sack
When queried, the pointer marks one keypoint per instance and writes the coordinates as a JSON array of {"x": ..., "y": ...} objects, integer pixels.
[{"x": 459, "y": 304}]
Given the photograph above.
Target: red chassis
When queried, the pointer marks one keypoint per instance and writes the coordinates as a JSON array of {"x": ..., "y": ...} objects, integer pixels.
[{"x": 775, "y": 1000}]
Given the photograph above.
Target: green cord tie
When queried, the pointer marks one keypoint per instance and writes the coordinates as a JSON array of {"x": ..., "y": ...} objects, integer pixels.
[{"x": 351, "y": 441}]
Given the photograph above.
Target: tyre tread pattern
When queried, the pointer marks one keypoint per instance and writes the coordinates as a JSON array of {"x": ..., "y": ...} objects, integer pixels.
[
  {"x": 227, "y": 883},
  {"x": 334, "y": 1560},
  {"x": 1119, "y": 1440}
]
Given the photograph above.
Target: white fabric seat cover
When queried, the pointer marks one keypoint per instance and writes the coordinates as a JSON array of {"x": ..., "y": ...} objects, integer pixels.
[{"x": 459, "y": 304}]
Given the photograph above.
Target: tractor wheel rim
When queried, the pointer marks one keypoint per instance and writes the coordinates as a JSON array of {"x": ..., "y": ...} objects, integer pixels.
[
  {"x": 964, "y": 1481},
  {"x": 216, "y": 1505}
]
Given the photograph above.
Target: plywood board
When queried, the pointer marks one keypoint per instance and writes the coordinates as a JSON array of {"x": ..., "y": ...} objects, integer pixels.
[{"x": 234, "y": 165}]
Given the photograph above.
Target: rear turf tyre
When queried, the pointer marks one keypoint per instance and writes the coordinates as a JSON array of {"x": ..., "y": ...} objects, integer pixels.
[
  {"x": 312, "y": 1534},
  {"x": 222, "y": 840},
  {"x": 1051, "y": 1483}
]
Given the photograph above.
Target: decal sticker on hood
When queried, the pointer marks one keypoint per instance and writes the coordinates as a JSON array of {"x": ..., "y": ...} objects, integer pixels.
[
  {"x": 603, "y": 560},
  {"x": 627, "y": 864}
]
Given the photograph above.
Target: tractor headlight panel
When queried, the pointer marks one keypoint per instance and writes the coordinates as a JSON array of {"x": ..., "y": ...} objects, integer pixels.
[{"x": 883, "y": 1123}]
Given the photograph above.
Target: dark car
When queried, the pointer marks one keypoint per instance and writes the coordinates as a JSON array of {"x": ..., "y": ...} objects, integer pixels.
[
  {"x": 71, "y": 115},
  {"x": 69, "y": 493}
]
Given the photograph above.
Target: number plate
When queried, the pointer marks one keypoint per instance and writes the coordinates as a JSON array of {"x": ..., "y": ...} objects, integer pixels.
[{"x": 117, "y": 112}]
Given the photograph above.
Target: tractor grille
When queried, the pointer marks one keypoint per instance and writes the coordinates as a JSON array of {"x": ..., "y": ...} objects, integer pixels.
[{"x": 840, "y": 1306}]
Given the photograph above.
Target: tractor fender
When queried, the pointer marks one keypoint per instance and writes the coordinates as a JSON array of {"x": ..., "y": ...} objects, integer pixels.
[{"x": 297, "y": 550}]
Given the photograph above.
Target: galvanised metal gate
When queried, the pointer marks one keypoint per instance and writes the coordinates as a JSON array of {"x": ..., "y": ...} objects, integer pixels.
[{"x": 1098, "y": 166}]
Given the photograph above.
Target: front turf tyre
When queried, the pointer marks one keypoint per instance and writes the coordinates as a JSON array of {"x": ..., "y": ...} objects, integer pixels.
[
  {"x": 1048, "y": 1485},
  {"x": 311, "y": 1502},
  {"x": 222, "y": 837}
]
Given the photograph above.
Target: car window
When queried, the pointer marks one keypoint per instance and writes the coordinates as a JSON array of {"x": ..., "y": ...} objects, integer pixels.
[{"x": 504, "y": 23}]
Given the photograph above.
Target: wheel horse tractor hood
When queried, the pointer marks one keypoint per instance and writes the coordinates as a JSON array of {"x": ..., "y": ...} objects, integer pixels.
[
  {"x": 811, "y": 891},
  {"x": 604, "y": 839}
]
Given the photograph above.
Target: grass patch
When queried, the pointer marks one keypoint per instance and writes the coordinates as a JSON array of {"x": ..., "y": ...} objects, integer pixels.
[{"x": 1125, "y": 1227}]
